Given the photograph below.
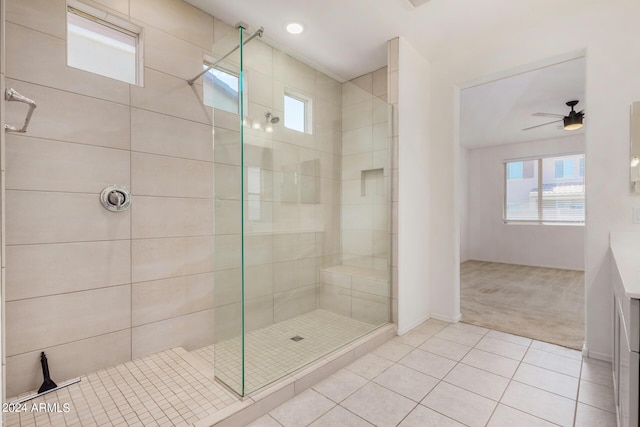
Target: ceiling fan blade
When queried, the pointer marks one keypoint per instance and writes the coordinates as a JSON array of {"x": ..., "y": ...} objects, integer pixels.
[
  {"x": 544, "y": 124},
  {"x": 547, "y": 115}
]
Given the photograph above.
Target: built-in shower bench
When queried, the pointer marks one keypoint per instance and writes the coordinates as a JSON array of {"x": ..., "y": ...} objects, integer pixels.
[{"x": 360, "y": 293}]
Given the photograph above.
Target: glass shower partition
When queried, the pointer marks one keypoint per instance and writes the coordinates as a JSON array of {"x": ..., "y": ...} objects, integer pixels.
[
  {"x": 224, "y": 89},
  {"x": 302, "y": 223}
]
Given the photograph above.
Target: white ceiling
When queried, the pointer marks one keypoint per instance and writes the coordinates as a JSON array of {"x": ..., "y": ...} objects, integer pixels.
[
  {"x": 348, "y": 38},
  {"x": 495, "y": 113}
]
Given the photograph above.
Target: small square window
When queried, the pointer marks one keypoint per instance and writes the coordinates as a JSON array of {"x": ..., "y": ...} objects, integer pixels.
[
  {"x": 297, "y": 113},
  {"x": 221, "y": 89},
  {"x": 101, "y": 47}
]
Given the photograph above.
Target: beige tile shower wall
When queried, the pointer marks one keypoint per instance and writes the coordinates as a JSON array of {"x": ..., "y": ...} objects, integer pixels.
[
  {"x": 365, "y": 171},
  {"x": 297, "y": 229},
  {"x": 365, "y": 204},
  {"x": 90, "y": 287}
]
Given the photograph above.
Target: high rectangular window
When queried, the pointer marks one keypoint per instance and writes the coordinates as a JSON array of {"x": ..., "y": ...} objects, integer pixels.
[
  {"x": 545, "y": 190},
  {"x": 221, "y": 89},
  {"x": 297, "y": 113},
  {"x": 102, "y": 47}
]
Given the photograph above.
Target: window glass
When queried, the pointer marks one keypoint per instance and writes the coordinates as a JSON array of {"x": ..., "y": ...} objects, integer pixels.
[
  {"x": 101, "y": 47},
  {"x": 562, "y": 193},
  {"x": 295, "y": 113},
  {"x": 554, "y": 195},
  {"x": 514, "y": 170},
  {"x": 522, "y": 203},
  {"x": 221, "y": 89}
]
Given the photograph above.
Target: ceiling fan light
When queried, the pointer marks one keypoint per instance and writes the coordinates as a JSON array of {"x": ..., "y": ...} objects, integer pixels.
[{"x": 572, "y": 122}]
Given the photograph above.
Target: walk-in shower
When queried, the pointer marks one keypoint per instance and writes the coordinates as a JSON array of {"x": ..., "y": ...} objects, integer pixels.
[
  {"x": 225, "y": 215},
  {"x": 301, "y": 213}
]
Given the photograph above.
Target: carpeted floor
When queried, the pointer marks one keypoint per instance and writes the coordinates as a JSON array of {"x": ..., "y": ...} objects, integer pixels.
[{"x": 545, "y": 304}]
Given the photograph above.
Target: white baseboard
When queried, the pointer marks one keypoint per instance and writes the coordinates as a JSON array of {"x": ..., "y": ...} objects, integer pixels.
[
  {"x": 404, "y": 330},
  {"x": 450, "y": 319},
  {"x": 605, "y": 357}
]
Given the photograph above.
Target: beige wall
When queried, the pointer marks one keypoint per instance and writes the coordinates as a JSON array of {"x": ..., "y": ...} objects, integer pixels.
[
  {"x": 490, "y": 238},
  {"x": 90, "y": 287}
]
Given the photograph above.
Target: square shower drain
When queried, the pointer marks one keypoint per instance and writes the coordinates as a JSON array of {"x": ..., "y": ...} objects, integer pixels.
[{"x": 297, "y": 338}]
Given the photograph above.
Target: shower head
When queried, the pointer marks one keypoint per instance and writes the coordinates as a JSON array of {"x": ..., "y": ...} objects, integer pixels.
[{"x": 271, "y": 118}]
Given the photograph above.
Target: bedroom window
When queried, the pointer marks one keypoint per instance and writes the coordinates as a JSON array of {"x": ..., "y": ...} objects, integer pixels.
[{"x": 545, "y": 190}]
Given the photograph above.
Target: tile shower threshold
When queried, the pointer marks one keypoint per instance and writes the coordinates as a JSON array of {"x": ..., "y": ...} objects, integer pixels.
[{"x": 261, "y": 402}]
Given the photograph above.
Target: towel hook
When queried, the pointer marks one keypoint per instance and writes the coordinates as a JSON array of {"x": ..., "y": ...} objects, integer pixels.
[{"x": 10, "y": 94}]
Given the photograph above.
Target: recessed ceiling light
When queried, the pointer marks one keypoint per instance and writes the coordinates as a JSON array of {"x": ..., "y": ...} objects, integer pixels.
[{"x": 295, "y": 28}]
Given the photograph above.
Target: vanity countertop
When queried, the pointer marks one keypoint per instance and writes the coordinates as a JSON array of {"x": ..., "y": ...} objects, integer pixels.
[{"x": 625, "y": 247}]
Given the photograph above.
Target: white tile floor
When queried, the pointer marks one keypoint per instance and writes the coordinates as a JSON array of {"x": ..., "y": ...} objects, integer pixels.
[{"x": 456, "y": 375}]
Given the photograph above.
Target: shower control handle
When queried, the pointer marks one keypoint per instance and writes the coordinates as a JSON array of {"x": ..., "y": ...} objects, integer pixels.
[{"x": 115, "y": 198}]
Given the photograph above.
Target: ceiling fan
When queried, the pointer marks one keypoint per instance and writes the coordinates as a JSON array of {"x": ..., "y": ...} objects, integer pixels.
[{"x": 571, "y": 122}]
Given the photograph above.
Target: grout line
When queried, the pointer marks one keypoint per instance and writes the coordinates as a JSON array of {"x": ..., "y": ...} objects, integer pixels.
[
  {"x": 68, "y": 91},
  {"x": 130, "y": 257},
  {"x": 575, "y": 408},
  {"x": 88, "y": 193}
]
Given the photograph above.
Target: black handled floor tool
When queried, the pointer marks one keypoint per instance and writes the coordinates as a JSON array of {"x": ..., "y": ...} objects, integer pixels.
[{"x": 48, "y": 384}]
